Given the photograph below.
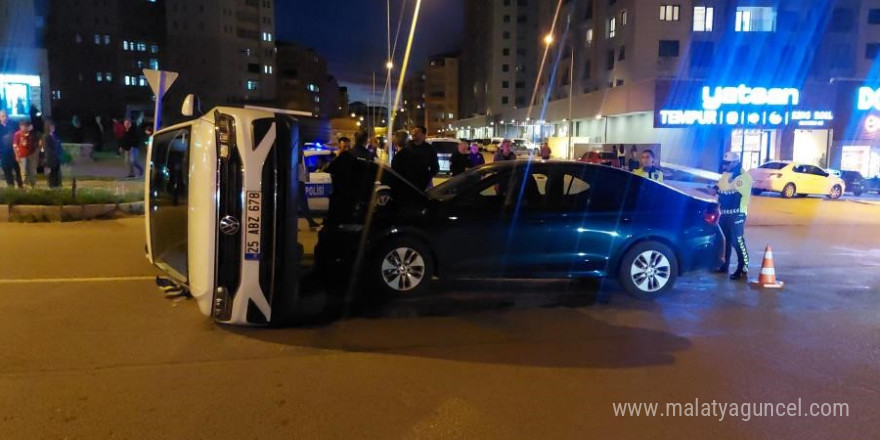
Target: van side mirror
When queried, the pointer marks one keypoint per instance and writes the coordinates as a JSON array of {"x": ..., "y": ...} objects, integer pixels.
[{"x": 189, "y": 104}]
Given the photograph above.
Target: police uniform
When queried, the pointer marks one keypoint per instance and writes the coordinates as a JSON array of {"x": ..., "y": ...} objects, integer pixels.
[
  {"x": 652, "y": 173},
  {"x": 734, "y": 192}
]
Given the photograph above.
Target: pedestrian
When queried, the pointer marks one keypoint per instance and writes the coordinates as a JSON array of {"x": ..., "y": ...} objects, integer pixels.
[
  {"x": 460, "y": 162},
  {"x": 417, "y": 162},
  {"x": 632, "y": 162},
  {"x": 303, "y": 172},
  {"x": 77, "y": 135},
  {"x": 27, "y": 151},
  {"x": 51, "y": 146},
  {"x": 342, "y": 199},
  {"x": 734, "y": 192},
  {"x": 545, "y": 151},
  {"x": 621, "y": 156},
  {"x": 649, "y": 169},
  {"x": 360, "y": 149},
  {"x": 99, "y": 133},
  {"x": 11, "y": 170},
  {"x": 399, "y": 141},
  {"x": 118, "y": 133},
  {"x": 130, "y": 145},
  {"x": 476, "y": 157},
  {"x": 505, "y": 153}
]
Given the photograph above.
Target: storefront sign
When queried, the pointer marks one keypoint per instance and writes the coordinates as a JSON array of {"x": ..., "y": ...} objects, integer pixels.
[
  {"x": 744, "y": 95},
  {"x": 741, "y": 106},
  {"x": 869, "y": 99},
  {"x": 872, "y": 124}
]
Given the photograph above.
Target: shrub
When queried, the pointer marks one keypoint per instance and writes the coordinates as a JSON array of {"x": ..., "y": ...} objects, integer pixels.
[{"x": 45, "y": 196}]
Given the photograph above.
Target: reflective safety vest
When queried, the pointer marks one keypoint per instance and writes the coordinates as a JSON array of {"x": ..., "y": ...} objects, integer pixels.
[
  {"x": 652, "y": 173},
  {"x": 734, "y": 193}
]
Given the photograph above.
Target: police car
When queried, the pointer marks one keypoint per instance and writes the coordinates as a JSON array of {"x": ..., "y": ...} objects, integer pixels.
[{"x": 319, "y": 185}]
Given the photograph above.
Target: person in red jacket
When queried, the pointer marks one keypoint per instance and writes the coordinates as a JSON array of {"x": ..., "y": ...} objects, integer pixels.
[{"x": 27, "y": 151}]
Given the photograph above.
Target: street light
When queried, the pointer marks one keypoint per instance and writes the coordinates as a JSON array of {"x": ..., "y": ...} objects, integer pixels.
[
  {"x": 389, "y": 65},
  {"x": 548, "y": 39}
]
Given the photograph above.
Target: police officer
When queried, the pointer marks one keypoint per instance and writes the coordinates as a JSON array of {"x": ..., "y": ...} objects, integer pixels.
[
  {"x": 734, "y": 190},
  {"x": 649, "y": 169}
]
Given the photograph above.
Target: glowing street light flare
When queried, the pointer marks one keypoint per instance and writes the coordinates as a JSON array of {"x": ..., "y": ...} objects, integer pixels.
[
  {"x": 389, "y": 65},
  {"x": 548, "y": 39}
]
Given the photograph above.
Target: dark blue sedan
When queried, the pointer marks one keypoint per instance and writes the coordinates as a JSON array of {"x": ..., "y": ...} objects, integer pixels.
[{"x": 525, "y": 219}]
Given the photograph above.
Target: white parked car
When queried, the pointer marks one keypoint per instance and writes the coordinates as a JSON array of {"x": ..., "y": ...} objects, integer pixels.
[{"x": 795, "y": 179}]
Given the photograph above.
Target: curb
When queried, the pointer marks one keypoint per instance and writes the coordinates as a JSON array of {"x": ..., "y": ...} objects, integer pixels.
[{"x": 67, "y": 213}]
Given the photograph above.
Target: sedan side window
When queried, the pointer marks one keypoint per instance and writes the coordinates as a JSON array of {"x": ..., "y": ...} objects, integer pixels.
[
  {"x": 800, "y": 169},
  {"x": 818, "y": 171}
]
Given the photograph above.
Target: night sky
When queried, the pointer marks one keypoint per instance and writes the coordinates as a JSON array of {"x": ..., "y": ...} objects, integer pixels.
[{"x": 351, "y": 35}]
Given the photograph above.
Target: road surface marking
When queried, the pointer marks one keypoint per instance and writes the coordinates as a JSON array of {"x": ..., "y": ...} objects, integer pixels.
[{"x": 75, "y": 280}]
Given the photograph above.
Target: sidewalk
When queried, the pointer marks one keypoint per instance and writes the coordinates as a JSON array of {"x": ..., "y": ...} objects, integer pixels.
[{"x": 107, "y": 174}]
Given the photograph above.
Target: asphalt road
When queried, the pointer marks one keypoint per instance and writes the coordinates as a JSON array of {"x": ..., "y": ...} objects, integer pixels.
[{"x": 91, "y": 350}]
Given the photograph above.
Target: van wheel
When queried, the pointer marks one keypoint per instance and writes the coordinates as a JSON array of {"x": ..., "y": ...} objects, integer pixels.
[
  {"x": 648, "y": 270},
  {"x": 836, "y": 192},
  {"x": 789, "y": 191},
  {"x": 401, "y": 267}
]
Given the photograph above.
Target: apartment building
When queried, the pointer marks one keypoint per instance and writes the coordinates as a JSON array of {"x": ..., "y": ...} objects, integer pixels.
[
  {"x": 224, "y": 50},
  {"x": 304, "y": 83},
  {"x": 770, "y": 79}
]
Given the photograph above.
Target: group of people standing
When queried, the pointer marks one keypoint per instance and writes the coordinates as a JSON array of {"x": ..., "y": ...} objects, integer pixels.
[
  {"x": 20, "y": 148},
  {"x": 414, "y": 159}
]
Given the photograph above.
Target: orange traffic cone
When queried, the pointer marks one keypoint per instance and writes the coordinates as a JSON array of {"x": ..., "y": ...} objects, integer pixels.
[{"x": 767, "y": 278}]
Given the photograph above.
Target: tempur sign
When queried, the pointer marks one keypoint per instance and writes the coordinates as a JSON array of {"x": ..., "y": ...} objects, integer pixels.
[{"x": 744, "y": 105}]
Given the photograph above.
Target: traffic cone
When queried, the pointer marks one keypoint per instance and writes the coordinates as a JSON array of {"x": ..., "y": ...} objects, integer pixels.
[{"x": 767, "y": 277}]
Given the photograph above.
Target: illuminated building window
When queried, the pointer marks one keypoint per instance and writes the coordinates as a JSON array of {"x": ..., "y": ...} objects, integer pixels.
[
  {"x": 703, "y": 18},
  {"x": 755, "y": 19},
  {"x": 669, "y": 12}
]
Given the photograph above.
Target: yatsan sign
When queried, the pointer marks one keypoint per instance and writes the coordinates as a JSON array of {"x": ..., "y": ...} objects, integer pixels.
[
  {"x": 869, "y": 98},
  {"x": 744, "y": 95}
]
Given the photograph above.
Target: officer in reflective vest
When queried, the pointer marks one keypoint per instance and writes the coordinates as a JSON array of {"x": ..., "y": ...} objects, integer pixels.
[
  {"x": 734, "y": 190},
  {"x": 649, "y": 169}
]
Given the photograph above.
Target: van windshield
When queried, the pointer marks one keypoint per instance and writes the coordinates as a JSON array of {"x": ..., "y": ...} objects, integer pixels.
[{"x": 169, "y": 180}]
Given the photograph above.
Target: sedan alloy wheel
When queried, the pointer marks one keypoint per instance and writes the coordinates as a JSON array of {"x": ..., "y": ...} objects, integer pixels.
[
  {"x": 650, "y": 271},
  {"x": 403, "y": 269}
]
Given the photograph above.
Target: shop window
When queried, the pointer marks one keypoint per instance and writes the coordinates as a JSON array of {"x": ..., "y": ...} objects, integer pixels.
[{"x": 668, "y": 48}]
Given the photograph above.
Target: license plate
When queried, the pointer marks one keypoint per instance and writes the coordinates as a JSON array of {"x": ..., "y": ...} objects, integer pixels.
[{"x": 253, "y": 225}]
